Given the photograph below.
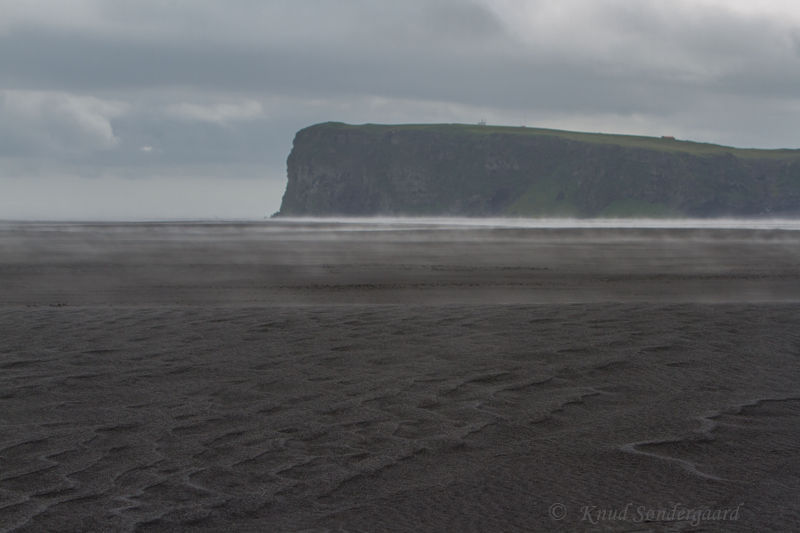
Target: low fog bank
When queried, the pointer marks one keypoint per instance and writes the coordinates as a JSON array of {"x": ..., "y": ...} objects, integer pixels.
[
  {"x": 420, "y": 261},
  {"x": 534, "y": 223}
]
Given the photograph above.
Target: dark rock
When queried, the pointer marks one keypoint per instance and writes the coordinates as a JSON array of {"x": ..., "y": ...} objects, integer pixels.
[{"x": 339, "y": 169}]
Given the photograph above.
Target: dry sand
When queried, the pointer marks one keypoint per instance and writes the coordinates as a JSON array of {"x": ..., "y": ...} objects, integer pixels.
[{"x": 293, "y": 377}]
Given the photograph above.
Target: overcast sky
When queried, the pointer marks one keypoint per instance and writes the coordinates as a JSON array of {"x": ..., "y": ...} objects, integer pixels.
[{"x": 188, "y": 108}]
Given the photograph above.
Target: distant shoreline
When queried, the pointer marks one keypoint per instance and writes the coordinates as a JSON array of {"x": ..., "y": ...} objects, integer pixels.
[{"x": 756, "y": 223}]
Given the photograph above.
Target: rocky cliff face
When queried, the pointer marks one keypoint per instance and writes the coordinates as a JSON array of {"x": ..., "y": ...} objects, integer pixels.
[{"x": 338, "y": 169}]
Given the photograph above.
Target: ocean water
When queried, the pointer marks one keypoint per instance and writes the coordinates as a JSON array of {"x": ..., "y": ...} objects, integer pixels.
[{"x": 318, "y": 224}]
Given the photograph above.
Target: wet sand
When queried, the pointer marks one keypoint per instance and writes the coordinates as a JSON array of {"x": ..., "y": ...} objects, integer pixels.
[{"x": 306, "y": 377}]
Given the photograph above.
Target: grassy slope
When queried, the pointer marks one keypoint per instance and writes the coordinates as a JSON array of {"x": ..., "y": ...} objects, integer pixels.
[{"x": 628, "y": 141}]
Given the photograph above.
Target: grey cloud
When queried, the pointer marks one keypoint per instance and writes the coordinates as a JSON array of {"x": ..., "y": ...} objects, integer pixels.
[
  {"x": 465, "y": 22},
  {"x": 217, "y": 113},
  {"x": 45, "y": 123},
  {"x": 795, "y": 40},
  {"x": 441, "y": 51},
  {"x": 224, "y": 87},
  {"x": 485, "y": 77}
]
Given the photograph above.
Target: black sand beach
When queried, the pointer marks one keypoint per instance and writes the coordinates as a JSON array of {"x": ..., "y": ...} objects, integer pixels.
[{"x": 285, "y": 376}]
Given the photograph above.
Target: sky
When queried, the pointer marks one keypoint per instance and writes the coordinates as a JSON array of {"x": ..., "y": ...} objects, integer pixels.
[{"x": 145, "y": 109}]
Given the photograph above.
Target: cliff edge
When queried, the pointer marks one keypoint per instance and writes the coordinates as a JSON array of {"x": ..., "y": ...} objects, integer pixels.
[{"x": 475, "y": 170}]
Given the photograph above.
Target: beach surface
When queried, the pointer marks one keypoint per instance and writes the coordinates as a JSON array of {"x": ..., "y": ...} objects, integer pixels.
[{"x": 348, "y": 376}]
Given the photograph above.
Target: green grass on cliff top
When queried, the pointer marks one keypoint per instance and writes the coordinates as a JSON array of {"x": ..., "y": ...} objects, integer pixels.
[{"x": 628, "y": 141}]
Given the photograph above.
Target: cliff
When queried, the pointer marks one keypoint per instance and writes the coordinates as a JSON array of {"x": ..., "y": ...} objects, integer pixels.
[{"x": 466, "y": 170}]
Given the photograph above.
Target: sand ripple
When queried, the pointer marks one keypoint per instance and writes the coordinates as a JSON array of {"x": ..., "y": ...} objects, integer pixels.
[{"x": 392, "y": 418}]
